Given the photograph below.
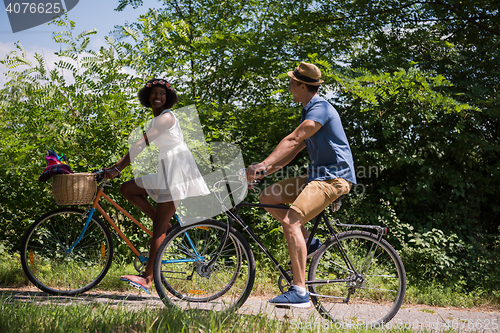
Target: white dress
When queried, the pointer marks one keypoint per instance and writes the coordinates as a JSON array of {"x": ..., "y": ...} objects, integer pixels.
[{"x": 178, "y": 176}]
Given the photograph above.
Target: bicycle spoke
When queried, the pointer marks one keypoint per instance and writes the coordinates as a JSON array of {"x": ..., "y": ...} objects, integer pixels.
[
  {"x": 371, "y": 296},
  {"x": 220, "y": 286},
  {"x": 52, "y": 268}
]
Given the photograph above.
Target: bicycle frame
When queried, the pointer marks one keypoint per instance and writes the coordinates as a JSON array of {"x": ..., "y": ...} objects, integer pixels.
[
  {"x": 233, "y": 216},
  {"x": 95, "y": 205}
]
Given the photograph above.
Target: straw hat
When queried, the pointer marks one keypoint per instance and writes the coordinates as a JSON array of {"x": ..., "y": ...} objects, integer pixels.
[{"x": 307, "y": 73}]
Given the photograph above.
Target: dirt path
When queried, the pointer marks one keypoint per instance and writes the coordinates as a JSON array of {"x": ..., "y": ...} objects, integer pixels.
[{"x": 410, "y": 316}]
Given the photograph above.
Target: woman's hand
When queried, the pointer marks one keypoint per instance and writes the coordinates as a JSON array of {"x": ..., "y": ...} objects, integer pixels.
[{"x": 111, "y": 172}]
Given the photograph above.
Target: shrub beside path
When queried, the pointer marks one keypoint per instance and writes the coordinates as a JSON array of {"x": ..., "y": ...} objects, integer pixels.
[{"x": 415, "y": 316}]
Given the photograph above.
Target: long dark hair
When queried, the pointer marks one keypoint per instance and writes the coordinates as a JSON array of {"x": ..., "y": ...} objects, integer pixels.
[{"x": 171, "y": 97}]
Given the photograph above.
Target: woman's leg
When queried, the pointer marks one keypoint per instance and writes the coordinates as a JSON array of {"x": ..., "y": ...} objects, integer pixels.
[
  {"x": 161, "y": 223},
  {"x": 137, "y": 196}
]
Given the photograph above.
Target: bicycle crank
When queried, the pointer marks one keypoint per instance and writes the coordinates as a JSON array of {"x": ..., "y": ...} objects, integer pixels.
[
  {"x": 283, "y": 283},
  {"x": 139, "y": 266}
]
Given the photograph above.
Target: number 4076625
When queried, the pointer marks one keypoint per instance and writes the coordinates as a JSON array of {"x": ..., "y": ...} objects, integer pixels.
[{"x": 31, "y": 7}]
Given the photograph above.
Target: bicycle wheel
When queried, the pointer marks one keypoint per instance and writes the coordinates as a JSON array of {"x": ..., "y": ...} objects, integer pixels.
[
  {"x": 183, "y": 279},
  {"x": 368, "y": 299},
  {"x": 59, "y": 259}
]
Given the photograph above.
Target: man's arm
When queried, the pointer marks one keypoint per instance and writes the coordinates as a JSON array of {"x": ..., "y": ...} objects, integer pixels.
[
  {"x": 286, "y": 150},
  {"x": 284, "y": 161}
]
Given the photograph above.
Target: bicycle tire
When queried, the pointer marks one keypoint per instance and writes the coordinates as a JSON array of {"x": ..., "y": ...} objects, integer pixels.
[
  {"x": 369, "y": 302},
  {"x": 49, "y": 263},
  {"x": 183, "y": 283}
]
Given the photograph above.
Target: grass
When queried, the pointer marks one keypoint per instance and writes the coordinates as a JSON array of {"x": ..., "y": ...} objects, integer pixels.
[
  {"x": 266, "y": 284},
  {"x": 11, "y": 272},
  {"x": 96, "y": 317},
  {"x": 28, "y": 317},
  {"x": 438, "y": 295}
]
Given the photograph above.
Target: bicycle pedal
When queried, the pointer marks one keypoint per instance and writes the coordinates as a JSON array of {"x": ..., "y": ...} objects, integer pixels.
[
  {"x": 139, "y": 287},
  {"x": 134, "y": 285}
]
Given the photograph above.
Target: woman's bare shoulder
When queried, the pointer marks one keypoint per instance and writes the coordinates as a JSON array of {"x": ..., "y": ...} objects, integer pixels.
[{"x": 165, "y": 120}]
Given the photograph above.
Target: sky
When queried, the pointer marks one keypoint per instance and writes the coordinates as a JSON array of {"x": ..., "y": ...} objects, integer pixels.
[{"x": 87, "y": 14}]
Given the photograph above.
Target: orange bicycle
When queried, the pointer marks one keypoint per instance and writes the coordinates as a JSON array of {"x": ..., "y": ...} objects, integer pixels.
[{"x": 68, "y": 251}]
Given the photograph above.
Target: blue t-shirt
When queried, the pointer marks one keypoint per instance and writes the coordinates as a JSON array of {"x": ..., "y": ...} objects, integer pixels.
[{"x": 328, "y": 148}]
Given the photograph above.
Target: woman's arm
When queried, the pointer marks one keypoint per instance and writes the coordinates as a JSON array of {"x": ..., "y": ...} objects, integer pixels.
[{"x": 159, "y": 125}]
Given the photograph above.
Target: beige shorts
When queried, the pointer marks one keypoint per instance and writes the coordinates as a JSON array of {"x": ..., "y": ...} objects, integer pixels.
[{"x": 309, "y": 199}]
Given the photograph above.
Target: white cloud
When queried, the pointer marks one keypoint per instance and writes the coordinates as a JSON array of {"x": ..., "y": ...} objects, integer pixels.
[
  {"x": 50, "y": 59},
  {"x": 48, "y": 54}
]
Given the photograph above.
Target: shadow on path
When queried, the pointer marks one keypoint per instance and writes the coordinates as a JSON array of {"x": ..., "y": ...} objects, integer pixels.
[
  {"x": 109, "y": 298},
  {"x": 419, "y": 317}
]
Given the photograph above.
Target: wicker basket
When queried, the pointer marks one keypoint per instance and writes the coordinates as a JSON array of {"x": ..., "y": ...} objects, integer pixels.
[{"x": 74, "y": 189}]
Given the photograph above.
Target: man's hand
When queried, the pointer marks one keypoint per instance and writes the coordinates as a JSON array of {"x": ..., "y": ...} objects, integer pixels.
[{"x": 256, "y": 171}]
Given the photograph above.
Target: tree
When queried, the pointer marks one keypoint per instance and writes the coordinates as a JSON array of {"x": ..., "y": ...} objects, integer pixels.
[
  {"x": 415, "y": 83},
  {"x": 413, "y": 110},
  {"x": 445, "y": 170},
  {"x": 84, "y": 105}
]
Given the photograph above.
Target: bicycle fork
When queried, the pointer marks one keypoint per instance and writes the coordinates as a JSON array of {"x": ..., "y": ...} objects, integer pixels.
[{"x": 89, "y": 214}]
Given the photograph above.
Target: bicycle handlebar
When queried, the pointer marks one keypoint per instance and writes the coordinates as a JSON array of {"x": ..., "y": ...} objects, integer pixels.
[
  {"x": 99, "y": 175},
  {"x": 243, "y": 178}
]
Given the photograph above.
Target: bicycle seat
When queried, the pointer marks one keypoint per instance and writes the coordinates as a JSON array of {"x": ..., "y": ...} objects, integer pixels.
[
  {"x": 337, "y": 203},
  {"x": 339, "y": 199}
]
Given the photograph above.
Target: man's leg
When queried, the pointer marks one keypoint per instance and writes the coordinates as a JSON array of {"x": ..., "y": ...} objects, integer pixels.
[
  {"x": 284, "y": 192},
  {"x": 313, "y": 198},
  {"x": 292, "y": 224}
]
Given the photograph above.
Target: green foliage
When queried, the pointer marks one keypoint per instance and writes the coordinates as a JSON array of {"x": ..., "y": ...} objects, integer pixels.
[
  {"x": 11, "y": 273},
  {"x": 416, "y": 86},
  {"x": 409, "y": 128},
  {"x": 438, "y": 159},
  {"x": 83, "y": 105}
]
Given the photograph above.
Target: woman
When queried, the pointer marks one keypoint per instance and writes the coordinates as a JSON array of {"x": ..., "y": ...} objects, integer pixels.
[{"x": 171, "y": 183}]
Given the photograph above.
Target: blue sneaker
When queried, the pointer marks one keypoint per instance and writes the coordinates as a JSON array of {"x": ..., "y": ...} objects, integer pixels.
[
  {"x": 315, "y": 245},
  {"x": 291, "y": 298}
]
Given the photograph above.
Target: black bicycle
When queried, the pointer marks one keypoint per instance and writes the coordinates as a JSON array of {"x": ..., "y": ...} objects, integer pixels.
[{"x": 355, "y": 277}]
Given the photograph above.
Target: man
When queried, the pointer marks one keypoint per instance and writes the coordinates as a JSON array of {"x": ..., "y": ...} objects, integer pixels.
[{"x": 330, "y": 174}]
